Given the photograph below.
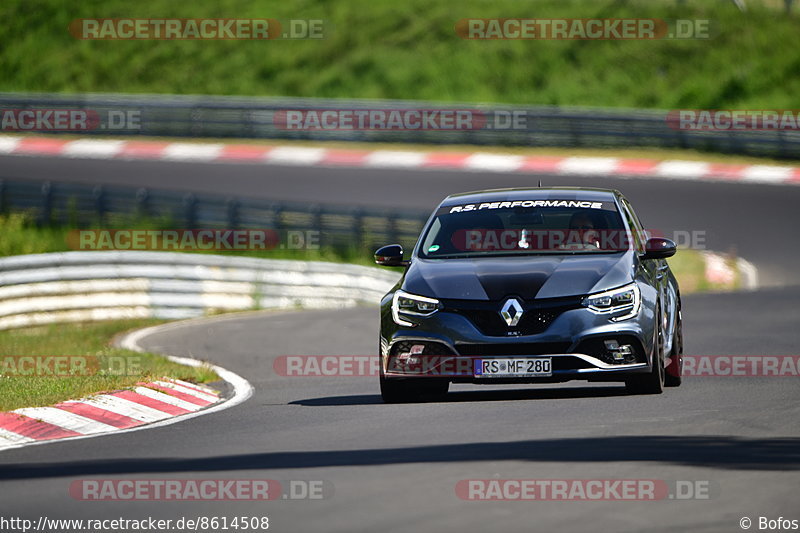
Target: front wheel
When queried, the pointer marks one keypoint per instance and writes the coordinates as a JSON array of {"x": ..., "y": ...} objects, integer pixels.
[
  {"x": 674, "y": 372},
  {"x": 653, "y": 381}
]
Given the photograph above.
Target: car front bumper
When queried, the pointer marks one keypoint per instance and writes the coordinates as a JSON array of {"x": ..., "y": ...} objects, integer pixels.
[{"x": 448, "y": 346}]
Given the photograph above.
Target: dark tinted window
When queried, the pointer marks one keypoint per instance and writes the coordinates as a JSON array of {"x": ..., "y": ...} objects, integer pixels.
[{"x": 529, "y": 227}]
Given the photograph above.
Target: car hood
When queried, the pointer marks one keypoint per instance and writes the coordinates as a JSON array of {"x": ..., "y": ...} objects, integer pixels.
[{"x": 495, "y": 278}]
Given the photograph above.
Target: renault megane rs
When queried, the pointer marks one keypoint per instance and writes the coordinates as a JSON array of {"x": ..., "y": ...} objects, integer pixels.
[{"x": 531, "y": 286}]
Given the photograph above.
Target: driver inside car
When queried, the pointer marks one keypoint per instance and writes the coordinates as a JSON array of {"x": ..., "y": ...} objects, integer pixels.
[{"x": 582, "y": 232}]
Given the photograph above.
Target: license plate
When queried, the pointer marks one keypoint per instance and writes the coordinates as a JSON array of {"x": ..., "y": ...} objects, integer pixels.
[{"x": 514, "y": 367}]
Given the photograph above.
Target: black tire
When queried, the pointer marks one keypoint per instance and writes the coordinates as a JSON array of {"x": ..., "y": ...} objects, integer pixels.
[
  {"x": 653, "y": 381},
  {"x": 412, "y": 390},
  {"x": 671, "y": 380}
]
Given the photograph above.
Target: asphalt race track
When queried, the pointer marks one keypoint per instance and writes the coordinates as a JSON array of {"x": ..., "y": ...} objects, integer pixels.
[{"x": 395, "y": 467}]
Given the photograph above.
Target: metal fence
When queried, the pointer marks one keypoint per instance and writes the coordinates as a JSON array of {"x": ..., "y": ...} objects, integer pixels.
[
  {"x": 79, "y": 286},
  {"x": 89, "y": 206},
  {"x": 227, "y": 117}
]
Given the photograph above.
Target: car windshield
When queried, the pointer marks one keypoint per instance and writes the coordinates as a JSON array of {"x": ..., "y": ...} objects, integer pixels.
[{"x": 522, "y": 227}]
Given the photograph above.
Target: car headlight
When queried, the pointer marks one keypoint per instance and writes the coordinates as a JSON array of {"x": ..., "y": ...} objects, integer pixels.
[
  {"x": 622, "y": 302},
  {"x": 404, "y": 303}
]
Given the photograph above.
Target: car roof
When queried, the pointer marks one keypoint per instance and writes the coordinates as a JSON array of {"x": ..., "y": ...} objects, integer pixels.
[{"x": 532, "y": 193}]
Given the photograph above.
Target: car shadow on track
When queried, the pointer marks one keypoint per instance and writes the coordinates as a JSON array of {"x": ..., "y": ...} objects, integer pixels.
[
  {"x": 494, "y": 395},
  {"x": 709, "y": 451}
]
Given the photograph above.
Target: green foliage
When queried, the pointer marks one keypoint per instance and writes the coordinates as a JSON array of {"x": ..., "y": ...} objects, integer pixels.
[
  {"x": 21, "y": 236},
  {"x": 389, "y": 49}
]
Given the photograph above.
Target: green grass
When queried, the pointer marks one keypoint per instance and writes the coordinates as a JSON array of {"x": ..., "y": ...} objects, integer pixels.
[
  {"x": 689, "y": 268},
  {"x": 389, "y": 49},
  {"x": 22, "y": 236},
  {"x": 118, "y": 368}
]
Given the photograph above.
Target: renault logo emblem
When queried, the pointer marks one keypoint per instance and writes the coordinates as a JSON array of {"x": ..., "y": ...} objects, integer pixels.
[{"x": 511, "y": 312}]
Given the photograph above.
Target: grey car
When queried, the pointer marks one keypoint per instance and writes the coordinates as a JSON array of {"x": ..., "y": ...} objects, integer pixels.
[{"x": 531, "y": 286}]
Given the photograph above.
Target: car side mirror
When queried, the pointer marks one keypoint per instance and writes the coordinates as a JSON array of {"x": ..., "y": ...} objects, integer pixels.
[
  {"x": 659, "y": 248},
  {"x": 390, "y": 256}
]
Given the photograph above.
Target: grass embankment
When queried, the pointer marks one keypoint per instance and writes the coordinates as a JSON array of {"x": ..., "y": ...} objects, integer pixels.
[
  {"x": 21, "y": 236},
  {"x": 410, "y": 50},
  {"x": 110, "y": 368}
]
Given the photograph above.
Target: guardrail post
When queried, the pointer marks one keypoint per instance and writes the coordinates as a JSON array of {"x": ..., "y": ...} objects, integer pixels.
[
  {"x": 232, "y": 210},
  {"x": 142, "y": 195},
  {"x": 99, "y": 197},
  {"x": 195, "y": 122},
  {"x": 316, "y": 222},
  {"x": 394, "y": 234},
  {"x": 277, "y": 216},
  {"x": 316, "y": 218},
  {"x": 358, "y": 228},
  {"x": 46, "y": 214},
  {"x": 189, "y": 210},
  {"x": 783, "y": 149}
]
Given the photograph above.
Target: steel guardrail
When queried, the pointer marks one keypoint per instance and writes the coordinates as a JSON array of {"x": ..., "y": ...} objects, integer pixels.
[
  {"x": 101, "y": 206},
  {"x": 544, "y": 126},
  {"x": 81, "y": 286}
]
